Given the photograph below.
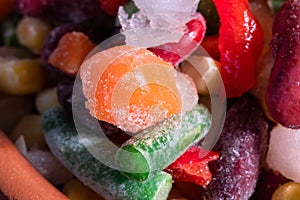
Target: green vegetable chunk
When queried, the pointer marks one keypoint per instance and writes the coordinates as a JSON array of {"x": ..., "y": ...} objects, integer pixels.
[
  {"x": 64, "y": 142},
  {"x": 155, "y": 148}
]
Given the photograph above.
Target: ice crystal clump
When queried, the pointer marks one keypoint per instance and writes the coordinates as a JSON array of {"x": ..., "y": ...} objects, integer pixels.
[
  {"x": 157, "y": 22},
  {"x": 168, "y": 13}
]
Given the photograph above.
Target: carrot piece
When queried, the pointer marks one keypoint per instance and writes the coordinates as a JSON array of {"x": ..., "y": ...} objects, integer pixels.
[
  {"x": 142, "y": 99},
  {"x": 18, "y": 178},
  {"x": 118, "y": 68},
  {"x": 70, "y": 52},
  {"x": 108, "y": 78},
  {"x": 192, "y": 166}
]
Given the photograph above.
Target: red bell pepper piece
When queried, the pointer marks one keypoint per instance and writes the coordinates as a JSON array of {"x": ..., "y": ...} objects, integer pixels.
[
  {"x": 192, "y": 166},
  {"x": 177, "y": 52},
  {"x": 240, "y": 45}
]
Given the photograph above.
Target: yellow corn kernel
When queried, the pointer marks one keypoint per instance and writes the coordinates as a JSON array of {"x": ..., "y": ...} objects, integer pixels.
[
  {"x": 75, "y": 190},
  {"x": 21, "y": 76},
  {"x": 287, "y": 191},
  {"x": 32, "y": 32},
  {"x": 30, "y": 127},
  {"x": 46, "y": 99},
  {"x": 205, "y": 73}
]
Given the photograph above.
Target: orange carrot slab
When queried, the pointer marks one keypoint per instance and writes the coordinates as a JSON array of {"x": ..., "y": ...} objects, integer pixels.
[
  {"x": 119, "y": 78},
  {"x": 18, "y": 178},
  {"x": 133, "y": 88},
  {"x": 71, "y": 51}
]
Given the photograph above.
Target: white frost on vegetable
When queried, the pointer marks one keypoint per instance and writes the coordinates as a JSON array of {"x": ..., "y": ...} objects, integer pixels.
[
  {"x": 284, "y": 152},
  {"x": 157, "y": 22}
]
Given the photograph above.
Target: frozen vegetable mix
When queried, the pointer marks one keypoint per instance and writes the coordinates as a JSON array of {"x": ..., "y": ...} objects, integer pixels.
[{"x": 149, "y": 99}]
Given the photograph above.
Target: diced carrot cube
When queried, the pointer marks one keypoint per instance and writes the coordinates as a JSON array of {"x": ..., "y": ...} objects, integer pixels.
[{"x": 71, "y": 51}]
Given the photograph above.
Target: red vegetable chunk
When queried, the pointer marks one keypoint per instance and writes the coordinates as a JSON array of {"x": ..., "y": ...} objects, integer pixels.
[
  {"x": 240, "y": 45},
  {"x": 241, "y": 148},
  {"x": 196, "y": 29},
  {"x": 192, "y": 166},
  {"x": 283, "y": 90}
]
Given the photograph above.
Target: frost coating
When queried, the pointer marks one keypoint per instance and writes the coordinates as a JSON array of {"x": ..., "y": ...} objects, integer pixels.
[
  {"x": 167, "y": 13},
  {"x": 157, "y": 22}
]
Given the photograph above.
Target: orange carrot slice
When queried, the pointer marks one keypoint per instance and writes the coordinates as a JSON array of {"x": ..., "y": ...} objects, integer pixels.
[
  {"x": 70, "y": 52},
  {"x": 118, "y": 68},
  {"x": 130, "y": 87},
  {"x": 18, "y": 178}
]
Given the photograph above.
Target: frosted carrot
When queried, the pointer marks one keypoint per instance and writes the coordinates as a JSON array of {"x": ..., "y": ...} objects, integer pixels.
[
  {"x": 132, "y": 88},
  {"x": 18, "y": 178}
]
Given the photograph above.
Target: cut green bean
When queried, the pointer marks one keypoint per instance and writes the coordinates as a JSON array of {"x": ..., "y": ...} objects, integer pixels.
[
  {"x": 154, "y": 148},
  {"x": 63, "y": 140}
]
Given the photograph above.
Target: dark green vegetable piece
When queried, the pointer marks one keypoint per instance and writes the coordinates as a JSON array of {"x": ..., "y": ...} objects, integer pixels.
[
  {"x": 155, "y": 148},
  {"x": 63, "y": 140}
]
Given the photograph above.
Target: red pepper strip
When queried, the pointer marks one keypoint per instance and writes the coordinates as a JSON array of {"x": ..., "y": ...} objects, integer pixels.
[
  {"x": 192, "y": 166},
  {"x": 240, "y": 45},
  {"x": 196, "y": 29},
  {"x": 167, "y": 56}
]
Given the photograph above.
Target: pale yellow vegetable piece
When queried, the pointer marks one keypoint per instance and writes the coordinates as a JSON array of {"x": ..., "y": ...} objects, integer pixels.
[
  {"x": 31, "y": 33},
  {"x": 287, "y": 191},
  {"x": 75, "y": 190},
  {"x": 46, "y": 99},
  {"x": 21, "y": 76},
  {"x": 30, "y": 127},
  {"x": 204, "y": 71}
]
